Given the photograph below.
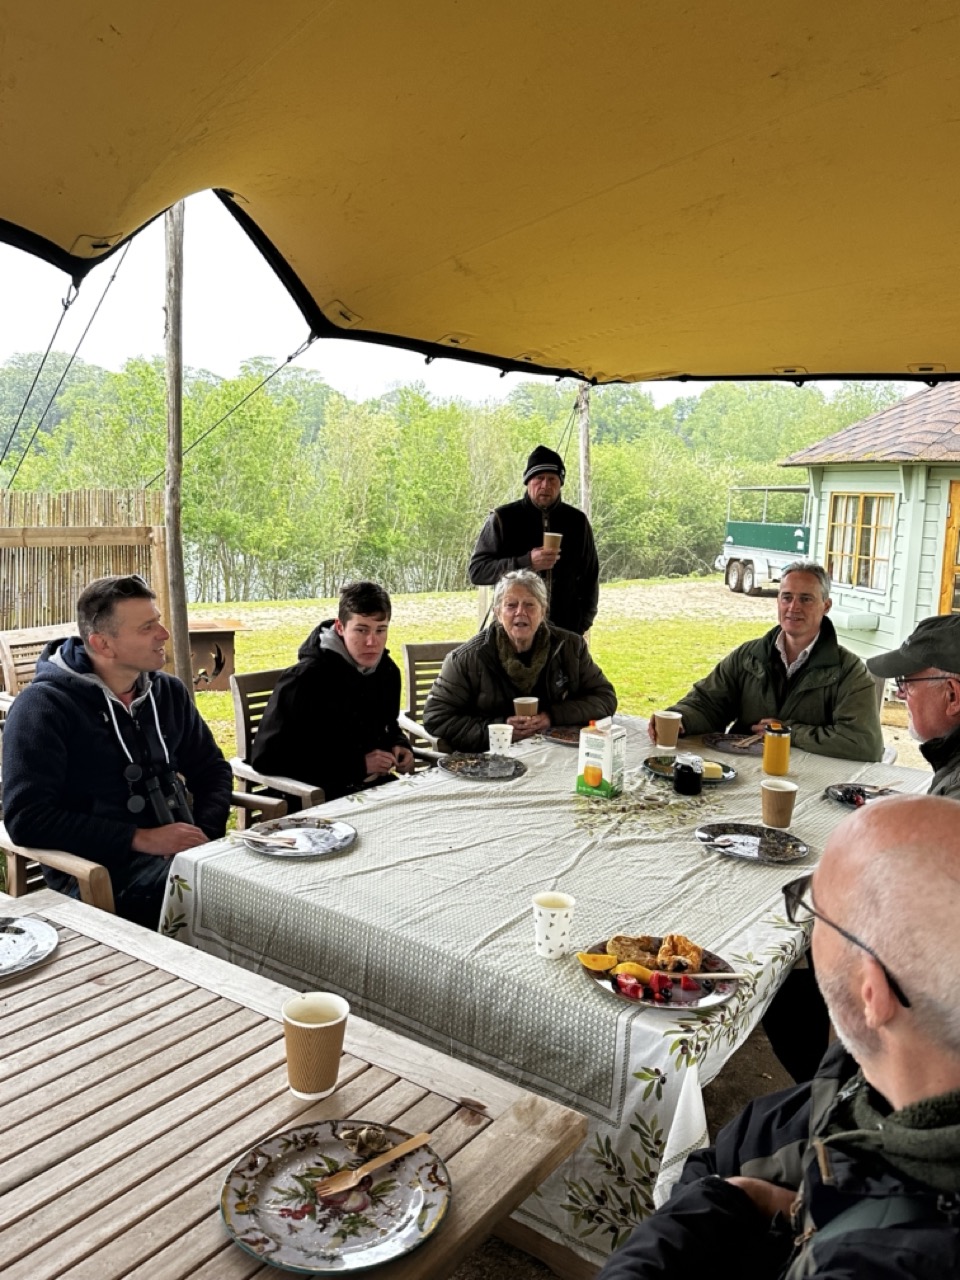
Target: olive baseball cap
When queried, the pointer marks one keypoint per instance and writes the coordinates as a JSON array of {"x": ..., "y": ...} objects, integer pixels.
[{"x": 934, "y": 643}]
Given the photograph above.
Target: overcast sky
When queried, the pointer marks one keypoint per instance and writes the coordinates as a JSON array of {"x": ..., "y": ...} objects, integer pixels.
[{"x": 234, "y": 308}]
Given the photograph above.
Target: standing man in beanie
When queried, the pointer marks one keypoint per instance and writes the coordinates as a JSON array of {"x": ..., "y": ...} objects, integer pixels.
[
  {"x": 512, "y": 539},
  {"x": 926, "y": 671}
]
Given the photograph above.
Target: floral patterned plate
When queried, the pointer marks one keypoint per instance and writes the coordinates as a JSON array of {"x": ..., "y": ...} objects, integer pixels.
[
  {"x": 482, "y": 766},
  {"x": 856, "y": 794},
  {"x": 24, "y": 942},
  {"x": 568, "y": 735},
  {"x": 751, "y": 842},
  {"x": 306, "y": 837},
  {"x": 733, "y": 742},
  {"x": 270, "y": 1208},
  {"x": 710, "y": 992}
]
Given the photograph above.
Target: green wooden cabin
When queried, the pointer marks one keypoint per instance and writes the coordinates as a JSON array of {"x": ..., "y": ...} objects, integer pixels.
[{"x": 885, "y": 517}]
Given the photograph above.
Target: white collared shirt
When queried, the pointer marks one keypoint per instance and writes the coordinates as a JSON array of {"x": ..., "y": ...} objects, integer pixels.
[{"x": 801, "y": 658}]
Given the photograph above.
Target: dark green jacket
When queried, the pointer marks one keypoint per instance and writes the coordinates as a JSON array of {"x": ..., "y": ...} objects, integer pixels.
[
  {"x": 830, "y": 704},
  {"x": 473, "y": 691}
]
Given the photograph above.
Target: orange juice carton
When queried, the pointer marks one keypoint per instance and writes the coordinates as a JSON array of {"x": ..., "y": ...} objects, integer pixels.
[{"x": 603, "y": 749}]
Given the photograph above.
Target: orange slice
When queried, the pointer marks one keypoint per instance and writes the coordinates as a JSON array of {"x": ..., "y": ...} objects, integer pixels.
[
  {"x": 637, "y": 970},
  {"x": 596, "y": 960}
]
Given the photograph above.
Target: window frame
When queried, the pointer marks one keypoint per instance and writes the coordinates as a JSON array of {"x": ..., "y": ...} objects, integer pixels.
[{"x": 847, "y": 537}]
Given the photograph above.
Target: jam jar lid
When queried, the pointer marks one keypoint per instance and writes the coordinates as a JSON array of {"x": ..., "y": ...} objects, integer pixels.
[{"x": 688, "y": 760}]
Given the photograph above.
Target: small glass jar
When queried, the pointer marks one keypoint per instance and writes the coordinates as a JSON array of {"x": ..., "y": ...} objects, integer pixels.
[
  {"x": 776, "y": 750},
  {"x": 688, "y": 774}
]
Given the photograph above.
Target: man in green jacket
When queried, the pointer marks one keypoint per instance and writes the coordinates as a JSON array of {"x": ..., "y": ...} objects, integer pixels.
[{"x": 796, "y": 674}]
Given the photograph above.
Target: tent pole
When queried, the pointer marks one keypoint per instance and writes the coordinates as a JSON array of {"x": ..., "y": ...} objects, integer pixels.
[
  {"x": 583, "y": 418},
  {"x": 173, "y": 335}
]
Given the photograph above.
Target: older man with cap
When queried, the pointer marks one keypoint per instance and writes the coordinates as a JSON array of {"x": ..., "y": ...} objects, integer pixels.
[
  {"x": 925, "y": 670},
  {"x": 513, "y": 538},
  {"x": 857, "y": 1173}
]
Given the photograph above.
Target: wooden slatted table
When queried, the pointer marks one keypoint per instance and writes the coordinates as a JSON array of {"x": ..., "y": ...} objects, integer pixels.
[{"x": 136, "y": 1070}]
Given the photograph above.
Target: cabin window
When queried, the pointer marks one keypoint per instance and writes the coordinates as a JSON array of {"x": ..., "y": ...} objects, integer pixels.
[{"x": 860, "y": 539}]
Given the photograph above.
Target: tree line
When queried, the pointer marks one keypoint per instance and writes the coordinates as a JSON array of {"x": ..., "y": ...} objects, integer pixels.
[{"x": 302, "y": 488}]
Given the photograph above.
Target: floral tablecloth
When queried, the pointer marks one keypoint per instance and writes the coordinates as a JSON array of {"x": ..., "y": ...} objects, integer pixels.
[{"x": 425, "y": 926}]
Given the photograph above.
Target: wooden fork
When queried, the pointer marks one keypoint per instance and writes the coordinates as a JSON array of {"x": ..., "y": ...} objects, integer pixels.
[{"x": 348, "y": 1178}]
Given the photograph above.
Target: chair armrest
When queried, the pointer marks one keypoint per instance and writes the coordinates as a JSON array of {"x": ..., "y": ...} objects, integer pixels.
[
  {"x": 92, "y": 878},
  {"x": 304, "y": 791},
  {"x": 269, "y": 806},
  {"x": 416, "y": 730}
]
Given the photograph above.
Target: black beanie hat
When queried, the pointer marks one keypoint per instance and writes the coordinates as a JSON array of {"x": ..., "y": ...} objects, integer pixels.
[{"x": 544, "y": 459}]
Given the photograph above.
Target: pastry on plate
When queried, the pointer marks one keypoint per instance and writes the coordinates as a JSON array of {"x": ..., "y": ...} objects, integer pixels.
[
  {"x": 641, "y": 950},
  {"x": 678, "y": 954}
]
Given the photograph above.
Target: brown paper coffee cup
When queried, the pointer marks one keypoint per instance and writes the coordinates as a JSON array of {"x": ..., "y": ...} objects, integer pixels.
[
  {"x": 525, "y": 706},
  {"x": 551, "y": 541},
  {"x": 668, "y": 727},
  {"x": 777, "y": 798},
  {"x": 313, "y": 1027}
]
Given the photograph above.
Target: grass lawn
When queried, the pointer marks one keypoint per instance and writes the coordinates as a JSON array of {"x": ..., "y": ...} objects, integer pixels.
[{"x": 652, "y": 639}]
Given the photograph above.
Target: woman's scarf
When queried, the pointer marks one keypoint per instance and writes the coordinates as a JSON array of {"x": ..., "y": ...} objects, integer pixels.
[{"x": 523, "y": 670}]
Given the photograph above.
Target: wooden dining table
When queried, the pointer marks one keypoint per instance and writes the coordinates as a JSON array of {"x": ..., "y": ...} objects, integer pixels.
[
  {"x": 136, "y": 1071},
  {"x": 424, "y": 922}
]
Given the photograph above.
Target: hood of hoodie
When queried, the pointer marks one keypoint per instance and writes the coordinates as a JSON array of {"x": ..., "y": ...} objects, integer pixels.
[
  {"x": 325, "y": 636},
  {"x": 69, "y": 660}
]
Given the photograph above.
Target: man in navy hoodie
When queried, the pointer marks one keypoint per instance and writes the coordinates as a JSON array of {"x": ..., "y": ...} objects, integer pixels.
[
  {"x": 332, "y": 717},
  {"x": 97, "y": 749}
]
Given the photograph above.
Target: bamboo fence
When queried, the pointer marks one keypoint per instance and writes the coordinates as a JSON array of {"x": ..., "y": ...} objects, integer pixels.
[{"x": 53, "y": 544}]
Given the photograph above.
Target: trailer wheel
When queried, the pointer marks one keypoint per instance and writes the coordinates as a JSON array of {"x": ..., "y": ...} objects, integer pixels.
[
  {"x": 734, "y": 575},
  {"x": 749, "y": 580}
]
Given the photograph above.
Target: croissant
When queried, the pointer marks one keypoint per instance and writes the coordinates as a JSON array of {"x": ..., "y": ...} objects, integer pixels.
[{"x": 678, "y": 953}]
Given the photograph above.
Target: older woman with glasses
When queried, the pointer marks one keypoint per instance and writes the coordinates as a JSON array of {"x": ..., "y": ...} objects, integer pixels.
[{"x": 519, "y": 655}]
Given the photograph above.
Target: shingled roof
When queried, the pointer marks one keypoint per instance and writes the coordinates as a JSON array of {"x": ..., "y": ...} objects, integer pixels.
[{"x": 923, "y": 428}]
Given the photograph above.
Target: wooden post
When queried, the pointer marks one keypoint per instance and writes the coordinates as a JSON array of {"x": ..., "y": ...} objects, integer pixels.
[
  {"x": 583, "y": 418},
  {"x": 176, "y": 618}
]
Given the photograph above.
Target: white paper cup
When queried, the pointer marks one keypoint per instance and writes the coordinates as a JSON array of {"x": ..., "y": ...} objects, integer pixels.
[
  {"x": 777, "y": 798},
  {"x": 313, "y": 1027},
  {"x": 501, "y": 735},
  {"x": 552, "y": 914}
]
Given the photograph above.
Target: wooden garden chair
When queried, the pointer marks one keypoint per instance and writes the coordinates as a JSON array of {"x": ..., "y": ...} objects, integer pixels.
[
  {"x": 251, "y": 693},
  {"x": 422, "y": 663}
]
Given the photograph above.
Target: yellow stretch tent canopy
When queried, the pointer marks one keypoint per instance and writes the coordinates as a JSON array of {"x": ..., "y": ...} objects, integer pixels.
[{"x": 621, "y": 190}]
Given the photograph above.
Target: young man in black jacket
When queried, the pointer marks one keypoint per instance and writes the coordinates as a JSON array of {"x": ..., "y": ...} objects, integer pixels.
[
  {"x": 332, "y": 718},
  {"x": 513, "y": 538},
  {"x": 856, "y": 1173},
  {"x": 97, "y": 749}
]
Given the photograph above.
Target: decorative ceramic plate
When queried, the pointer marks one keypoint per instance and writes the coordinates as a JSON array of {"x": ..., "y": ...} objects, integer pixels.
[
  {"x": 271, "y": 1210},
  {"x": 709, "y": 993},
  {"x": 568, "y": 735},
  {"x": 480, "y": 767},
  {"x": 299, "y": 837},
  {"x": 662, "y": 767},
  {"x": 732, "y": 742},
  {"x": 24, "y": 942},
  {"x": 751, "y": 842},
  {"x": 857, "y": 793}
]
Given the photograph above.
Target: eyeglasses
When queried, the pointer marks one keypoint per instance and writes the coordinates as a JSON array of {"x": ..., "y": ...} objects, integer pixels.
[
  {"x": 901, "y": 682},
  {"x": 799, "y": 912}
]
